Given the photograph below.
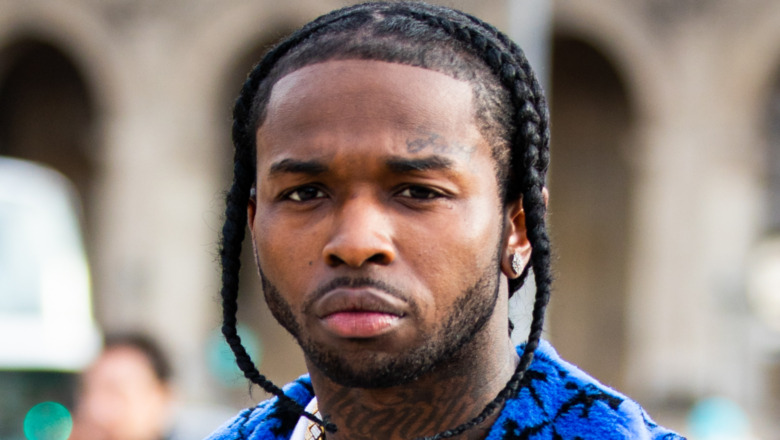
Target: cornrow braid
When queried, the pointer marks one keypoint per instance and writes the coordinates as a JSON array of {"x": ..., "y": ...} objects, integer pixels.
[{"x": 511, "y": 113}]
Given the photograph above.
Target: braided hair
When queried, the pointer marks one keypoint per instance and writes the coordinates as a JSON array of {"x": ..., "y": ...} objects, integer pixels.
[{"x": 511, "y": 113}]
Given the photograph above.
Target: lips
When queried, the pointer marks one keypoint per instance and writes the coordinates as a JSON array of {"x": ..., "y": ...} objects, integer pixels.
[{"x": 359, "y": 312}]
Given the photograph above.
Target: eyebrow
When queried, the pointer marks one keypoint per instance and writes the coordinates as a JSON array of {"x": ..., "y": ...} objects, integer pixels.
[
  {"x": 311, "y": 167},
  {"x": 431, "y": 163}
]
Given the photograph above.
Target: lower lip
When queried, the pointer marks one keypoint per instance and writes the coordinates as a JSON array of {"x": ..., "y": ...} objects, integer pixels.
[{"x": 359, "y": 324}]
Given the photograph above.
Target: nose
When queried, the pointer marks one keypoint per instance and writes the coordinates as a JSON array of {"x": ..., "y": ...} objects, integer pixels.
[{"x": 361, "y": 234}]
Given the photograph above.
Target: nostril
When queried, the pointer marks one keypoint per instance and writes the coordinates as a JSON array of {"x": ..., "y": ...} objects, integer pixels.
[
  {"x": 378, "y": 258},
  {"x": 334, "y": 260}
]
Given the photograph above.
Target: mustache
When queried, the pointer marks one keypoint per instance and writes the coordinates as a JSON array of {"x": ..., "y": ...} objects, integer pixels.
[{"x": 351, "y": 282}]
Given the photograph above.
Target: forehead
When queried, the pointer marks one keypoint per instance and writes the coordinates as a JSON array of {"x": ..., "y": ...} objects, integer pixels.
[
  {"x": 121, "y": 365},
  {"x": 366, "y": 97}
]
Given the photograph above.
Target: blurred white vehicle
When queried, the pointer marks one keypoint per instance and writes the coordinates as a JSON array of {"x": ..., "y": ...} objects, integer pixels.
[{"x": 46, "y": 318}]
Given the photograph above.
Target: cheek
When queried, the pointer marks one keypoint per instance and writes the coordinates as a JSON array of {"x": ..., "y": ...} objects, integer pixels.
[
  {"x": 284, "y": 249},
  {"x": 470, "y": 234},
  {"x": 453, "y": 254},
  {"x": 268, "y": 243}
]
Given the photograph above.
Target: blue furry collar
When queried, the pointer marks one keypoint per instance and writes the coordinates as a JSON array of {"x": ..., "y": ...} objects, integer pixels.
[{"x": 556, "y": 401}]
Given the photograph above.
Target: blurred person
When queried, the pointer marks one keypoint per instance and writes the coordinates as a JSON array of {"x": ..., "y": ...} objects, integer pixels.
[
  {"x": 390, "y": 162},
  {"x": 126, "y": 393}
]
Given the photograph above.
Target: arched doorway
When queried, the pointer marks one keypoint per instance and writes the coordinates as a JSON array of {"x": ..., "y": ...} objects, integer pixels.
[
  {"x": 47, "y": 113},
  {"x": 590, "y": 188}
]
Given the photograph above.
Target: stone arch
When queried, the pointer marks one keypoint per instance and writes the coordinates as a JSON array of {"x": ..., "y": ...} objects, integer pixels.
[
  {"x": 619, "y": 40},
  {"x": 590, "y": 186},
  {"x": 48, "y": 111},
  {"x": 81, "y": 35}
]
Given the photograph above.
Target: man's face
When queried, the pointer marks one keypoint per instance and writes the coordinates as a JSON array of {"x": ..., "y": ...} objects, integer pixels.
[
  {"x": 377, "y": 223},
  {"x": 122, "y": 399}
]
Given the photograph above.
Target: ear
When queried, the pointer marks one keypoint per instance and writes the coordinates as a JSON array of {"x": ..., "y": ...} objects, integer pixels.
[{"x": 516, "y": 243}]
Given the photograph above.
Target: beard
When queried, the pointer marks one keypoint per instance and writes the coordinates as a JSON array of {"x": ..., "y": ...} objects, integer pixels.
[{"x": 440, "y": 346}]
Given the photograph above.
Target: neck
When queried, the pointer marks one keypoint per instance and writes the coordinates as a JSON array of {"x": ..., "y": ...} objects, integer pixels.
[{"x": 448, "y": 396}]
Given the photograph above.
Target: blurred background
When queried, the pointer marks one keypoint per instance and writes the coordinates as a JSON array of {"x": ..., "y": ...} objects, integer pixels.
[{"x": 664, "y": 208}]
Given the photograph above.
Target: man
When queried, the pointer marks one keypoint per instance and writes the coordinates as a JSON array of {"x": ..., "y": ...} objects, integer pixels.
[
  {"x": 390, "y": 163},
  {"x": 126, "y": 393}
]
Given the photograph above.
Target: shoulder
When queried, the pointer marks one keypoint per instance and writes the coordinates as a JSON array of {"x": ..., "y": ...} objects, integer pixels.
[
  {"x": 270, "y": 419},
  {"x": 557, "y": 400}
]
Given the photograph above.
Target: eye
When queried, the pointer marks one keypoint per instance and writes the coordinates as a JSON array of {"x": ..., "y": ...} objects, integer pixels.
[
  {"x": 304, "y": 194},
  {"x": 419, "y": 192}
]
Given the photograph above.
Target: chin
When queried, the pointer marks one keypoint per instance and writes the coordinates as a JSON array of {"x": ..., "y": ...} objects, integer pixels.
[
  {"x": 368, "y": 369},
  {"x": 363, "y": 367}
]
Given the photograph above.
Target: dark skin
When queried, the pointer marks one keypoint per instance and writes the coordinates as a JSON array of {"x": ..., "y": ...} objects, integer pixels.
[{"x": 376, "y": 171}]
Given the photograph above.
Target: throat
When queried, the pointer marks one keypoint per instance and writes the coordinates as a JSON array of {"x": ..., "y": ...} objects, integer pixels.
[{"x": 442, "y": 400}]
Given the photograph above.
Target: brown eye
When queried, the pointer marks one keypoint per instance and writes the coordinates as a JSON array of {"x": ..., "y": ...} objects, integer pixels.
[
  {"x": 419, "y": 192},
  {"x": 305, "y": 194}
]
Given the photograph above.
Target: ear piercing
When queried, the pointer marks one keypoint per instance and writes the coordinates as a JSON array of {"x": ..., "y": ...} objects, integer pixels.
[{"x": 516, "y": 262}]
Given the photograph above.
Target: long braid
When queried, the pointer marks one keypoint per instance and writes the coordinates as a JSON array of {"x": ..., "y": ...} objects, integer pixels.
[
  {"x": 233, "y": 231},
  {"x": 529, "y": 149}
]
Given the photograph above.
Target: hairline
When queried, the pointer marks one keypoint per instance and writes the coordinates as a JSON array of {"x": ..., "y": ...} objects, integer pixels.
[{"x": 478, "y": 90}]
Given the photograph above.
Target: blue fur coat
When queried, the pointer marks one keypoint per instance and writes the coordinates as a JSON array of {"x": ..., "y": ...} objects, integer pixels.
[{"x": 557, "y": 401}]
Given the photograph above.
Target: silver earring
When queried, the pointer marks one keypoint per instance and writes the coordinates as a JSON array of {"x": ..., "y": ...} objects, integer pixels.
[{"x": 515, "y": 260}]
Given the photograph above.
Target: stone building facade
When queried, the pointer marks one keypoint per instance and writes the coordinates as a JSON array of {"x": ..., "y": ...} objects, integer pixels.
[{"x": 665, "y": 178}]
